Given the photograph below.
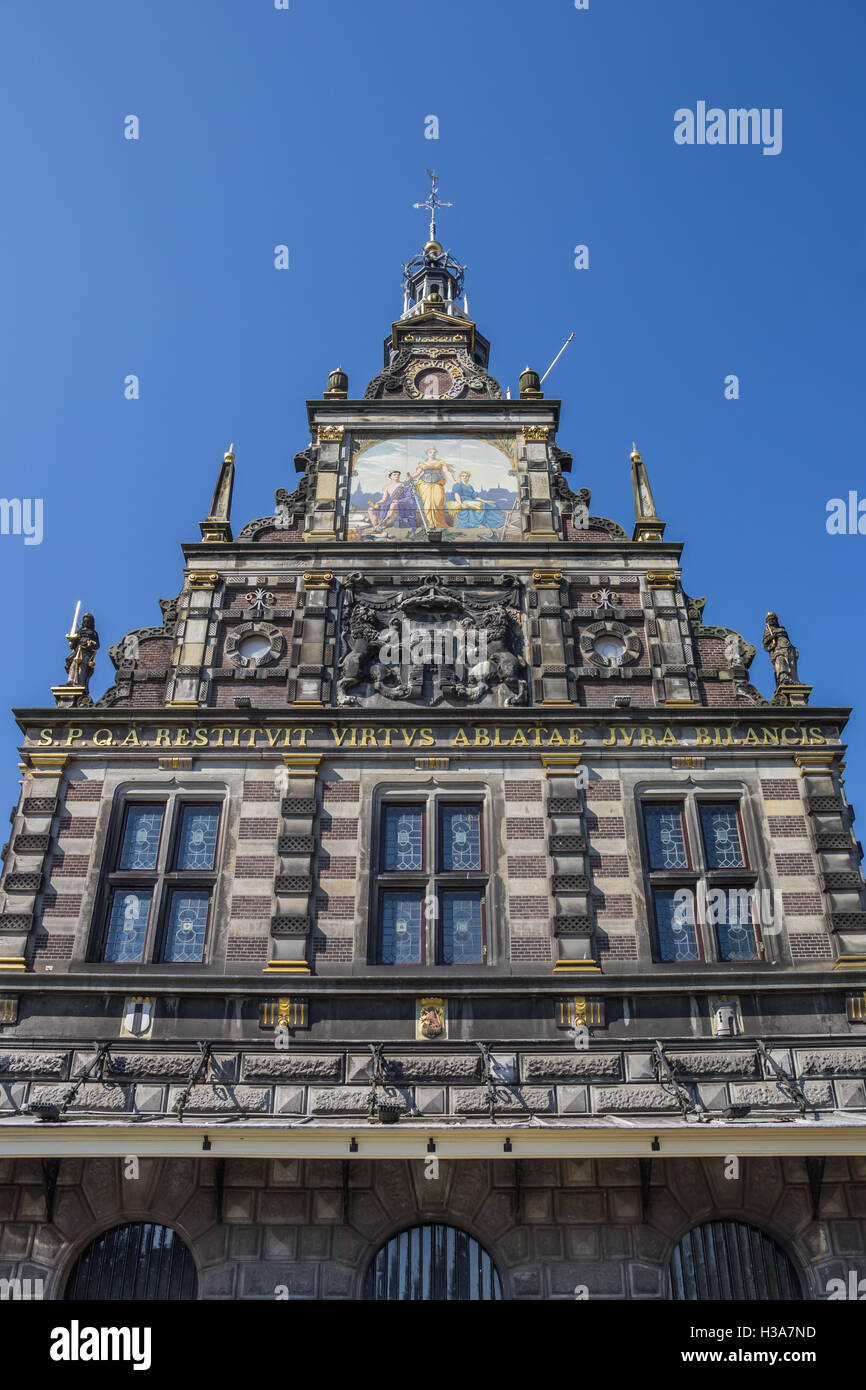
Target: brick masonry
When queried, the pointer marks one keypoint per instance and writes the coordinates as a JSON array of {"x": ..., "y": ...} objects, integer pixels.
[
  {"x": 787, "y": 827},
  {"x": 257, "y": 828},
  {"x": 530, "y": 948},
  {"x": 524, "y": 828},
  {"x": 523, "y": 791},
  {"x": 795, "y": 864},
  {"x": 84, "y": 791}
]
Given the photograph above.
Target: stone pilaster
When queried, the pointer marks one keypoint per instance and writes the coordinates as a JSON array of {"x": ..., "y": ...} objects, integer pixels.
[
  {"x": 569, "y": 853},
  {"x": 549, "y": 666},
  {"x": 313, "y": 640},
  {"x": 195, "y": 640},
  {"x": 321, "y": 519},
  {"x": 291, "y": 924},
  {"x": 30, "y": 842},
  {"x": 669, "y": 639},
  {"x": 839, "y": 855},
  {"x": 536, "y": 501}
]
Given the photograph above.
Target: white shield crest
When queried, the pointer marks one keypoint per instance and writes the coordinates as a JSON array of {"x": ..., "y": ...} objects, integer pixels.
[{"x": 137, "y": 1015}]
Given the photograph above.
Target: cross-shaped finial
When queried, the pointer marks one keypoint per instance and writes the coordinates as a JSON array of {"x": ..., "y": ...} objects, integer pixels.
[{"x": 433, "y": 202}]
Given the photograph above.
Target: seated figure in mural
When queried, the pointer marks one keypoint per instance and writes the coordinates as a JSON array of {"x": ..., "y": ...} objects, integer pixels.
[
  {"x": 397, "y": 506},
  {"x": 469, "y": 510},
  {"x": 430, "y": 478}
]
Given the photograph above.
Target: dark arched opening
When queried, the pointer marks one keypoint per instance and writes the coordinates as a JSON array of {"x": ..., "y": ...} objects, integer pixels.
[
  {"x": 139, "y": 1261},
  {"x": 432, "y": 1262},
  {"x": 730, "y": 1260}
]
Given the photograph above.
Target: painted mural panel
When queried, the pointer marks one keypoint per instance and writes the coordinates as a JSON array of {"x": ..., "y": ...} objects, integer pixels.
[{"x": 453, "y": 487}]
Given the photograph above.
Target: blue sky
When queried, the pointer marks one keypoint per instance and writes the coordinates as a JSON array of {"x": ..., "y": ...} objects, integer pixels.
[{"x": 306, "y": 127}]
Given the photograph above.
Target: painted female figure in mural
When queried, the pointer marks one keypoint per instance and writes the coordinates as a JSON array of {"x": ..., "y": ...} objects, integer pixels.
[
  {"x": 430, "y": 478},
  {"x": 397, "y": 505},
  {"x": 469, "y": 510}
]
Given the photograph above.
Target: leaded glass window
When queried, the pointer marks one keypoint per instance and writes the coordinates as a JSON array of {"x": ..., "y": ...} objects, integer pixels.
[
  {"x": 431, "y": 884},
  {"x": 666, "y": 837},
  {"x": 141, "y": 832},
  {"x": 155, "y": 895},
  {"x": 692, "y": 847},
  {"x": 186, "y": 926},
  {"x": 127, "y": 925},
  {"x": 404, "y": 838},
  {"x": 735, "y": 928},
  {"x": 676, "y": 928},
  {"x": 721, "y": 831},
  {"x": 461, "y": 838},
  {"x": 197, "y": 838},
  {"x": 462, "y": 935},
  {"x": 402, "y": 921}
]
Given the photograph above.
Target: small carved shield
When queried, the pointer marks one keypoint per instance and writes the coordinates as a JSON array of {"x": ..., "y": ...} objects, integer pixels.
[
  {"x": 431, "y": 1018},
  {"x": 137, "y": 1015}
]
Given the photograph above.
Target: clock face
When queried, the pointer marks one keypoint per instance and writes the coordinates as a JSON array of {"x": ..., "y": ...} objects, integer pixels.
[{"x": 611, "y": 648}]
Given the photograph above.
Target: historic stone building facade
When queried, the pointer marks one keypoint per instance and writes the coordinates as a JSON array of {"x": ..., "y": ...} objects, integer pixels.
[{"x": 432, "y": 863}]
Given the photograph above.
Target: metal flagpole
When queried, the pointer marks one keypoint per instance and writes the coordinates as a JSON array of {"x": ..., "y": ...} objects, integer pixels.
[{"x": 556, "y": 359}]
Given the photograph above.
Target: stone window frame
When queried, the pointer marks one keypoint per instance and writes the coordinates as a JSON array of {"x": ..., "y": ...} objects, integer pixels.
[
  {"x": 173, "y": 797},
  {"x": 455, "y": 788},
  {"x": 690, "y": 794}
]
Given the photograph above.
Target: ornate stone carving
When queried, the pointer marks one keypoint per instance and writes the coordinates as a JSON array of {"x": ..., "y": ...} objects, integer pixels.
[
  {"x": 591, "y": 634},
  {"x": 420, "y": 372},
  {"x": 396, "y": 659},
  {"x": 695, "y": 608},
  {"x": 267, "y": 631}
]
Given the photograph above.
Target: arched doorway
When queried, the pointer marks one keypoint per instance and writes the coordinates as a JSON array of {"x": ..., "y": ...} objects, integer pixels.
[
  {"x": 139, "y": 1261},
  {"x": 432, "y": 1262},
  {"x": 730, "y": 1260}
]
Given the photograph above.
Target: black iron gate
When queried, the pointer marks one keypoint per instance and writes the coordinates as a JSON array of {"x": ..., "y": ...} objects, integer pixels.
[
  {"x": 730, "y": 1260},
  {"x": 438, "y": 1263},
  {"x": 140, "y": 1261}
]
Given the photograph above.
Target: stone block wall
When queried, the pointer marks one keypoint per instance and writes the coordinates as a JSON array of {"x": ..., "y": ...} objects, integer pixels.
[{"x": 291, "y": 1227}]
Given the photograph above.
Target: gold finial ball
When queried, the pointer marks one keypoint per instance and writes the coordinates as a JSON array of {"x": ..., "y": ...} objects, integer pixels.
[
  {"x": 433, "y": 248},
  {"x": 634, "y": 455},
  {"x": 434, "y": 297}
]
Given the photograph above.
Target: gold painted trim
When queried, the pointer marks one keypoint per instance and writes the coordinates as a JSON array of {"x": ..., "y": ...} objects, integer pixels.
[
  {"x": 203, "y": 579},
  {"x": 181, "y": 704},
  {"x": 536, "y": 434},
  {"x": 286, "y": 967},
  {"x": 318, "y": 579},
  {"x": 573, "y": 967},
  {"x": 13, "y": 963},
  {"x": 46, "y": 764},
  {"x": 681, "y": 702},
  {"x": 661, "y": 579},
  {"x": 814, "y": 762},
  {"x": 303, "y": 762},
  {"x": 560, "y": 762},
  {"x": 850, "y": 963},
  {"x": 547, "y": 579},
  {"x": 331, "y": 434}
]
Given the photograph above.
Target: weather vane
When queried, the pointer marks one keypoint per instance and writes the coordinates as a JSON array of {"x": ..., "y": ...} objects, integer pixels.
[{"x": 433, "y": 203}]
